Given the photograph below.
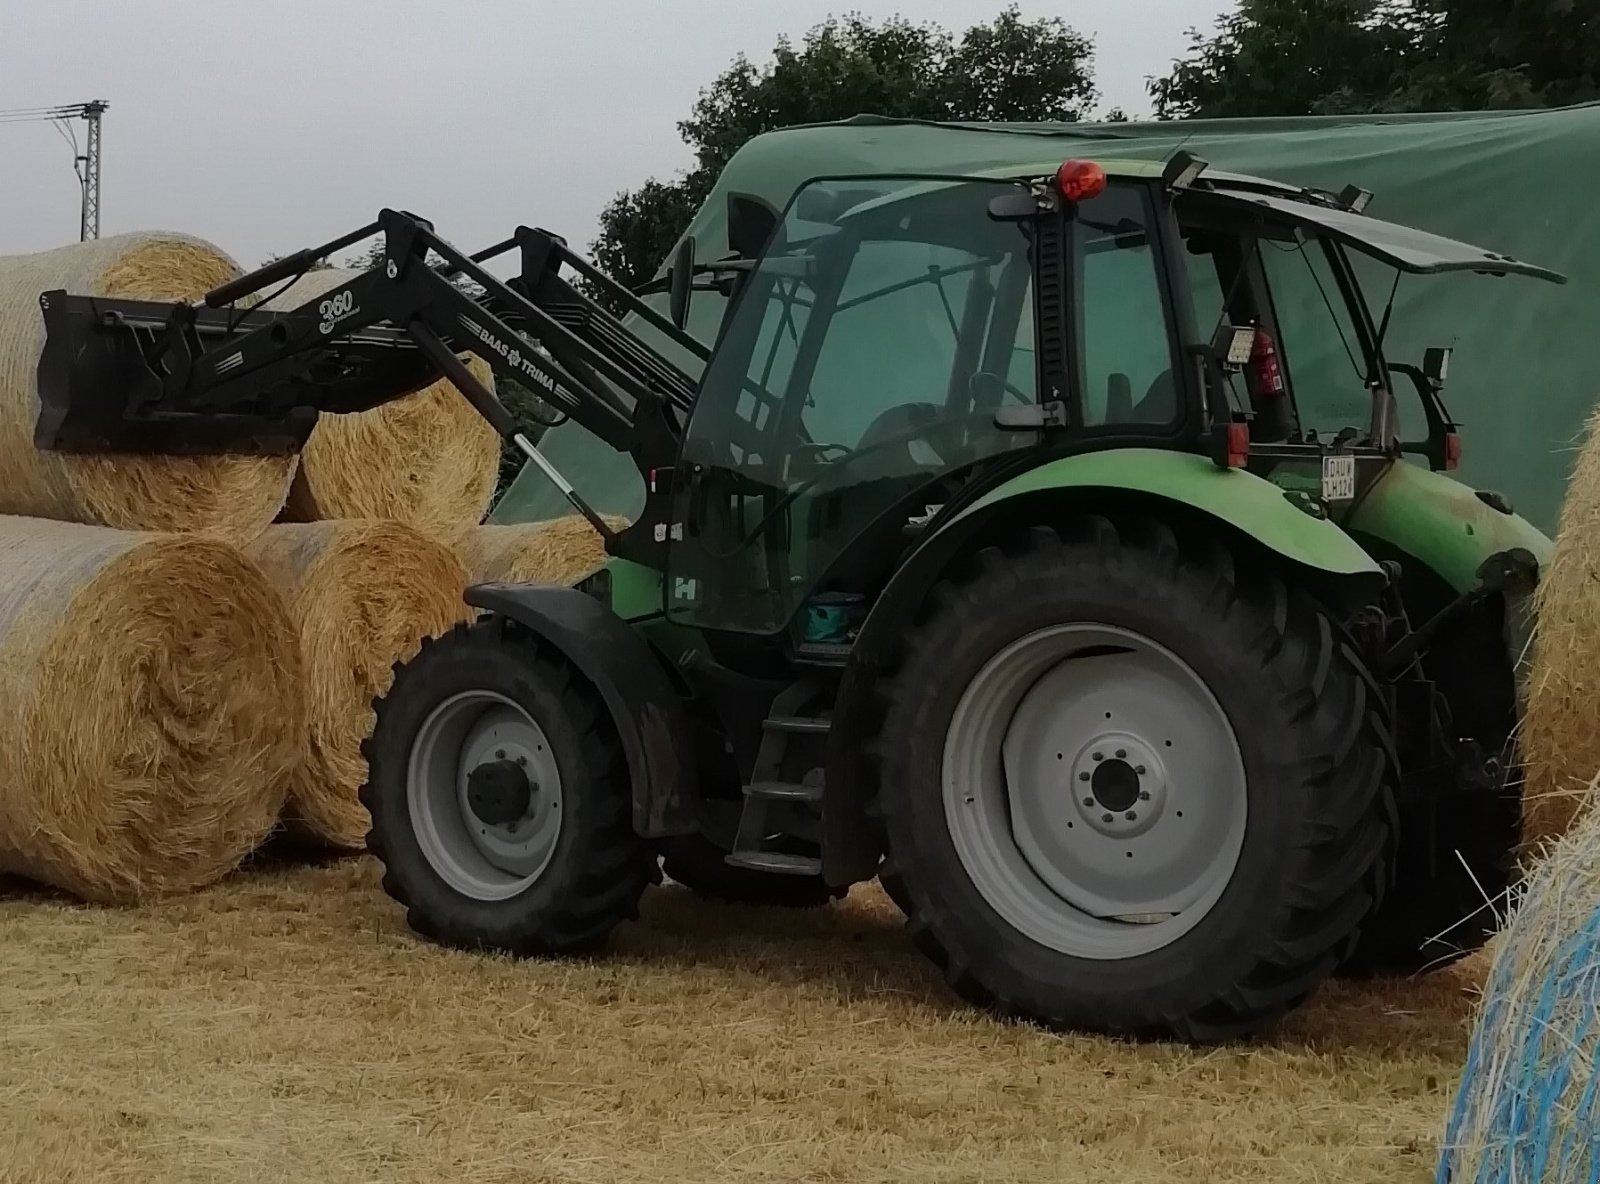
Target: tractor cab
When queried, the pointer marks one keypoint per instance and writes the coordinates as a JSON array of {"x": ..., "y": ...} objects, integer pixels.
[{"x": 904, "y": 343}]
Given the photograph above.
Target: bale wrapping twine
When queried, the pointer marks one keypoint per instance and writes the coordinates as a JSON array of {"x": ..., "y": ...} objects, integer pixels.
[
  {"x": 228, "y": 496},
  {"x": 428, "y": 459},
  {"x": 561, "y": 551},
  {"x": 363, "y": 596},
  {"x": 151, "y": 706},
  {"x": 1525, "y": 1109},
  {"x": 1560, "y": 742}
]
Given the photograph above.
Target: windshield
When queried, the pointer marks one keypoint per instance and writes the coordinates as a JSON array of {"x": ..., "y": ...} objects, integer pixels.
[{"x": 864, "y": 361}]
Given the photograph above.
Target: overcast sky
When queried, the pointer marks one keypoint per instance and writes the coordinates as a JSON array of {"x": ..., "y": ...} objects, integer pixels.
[{"x": 265, "y": 127}]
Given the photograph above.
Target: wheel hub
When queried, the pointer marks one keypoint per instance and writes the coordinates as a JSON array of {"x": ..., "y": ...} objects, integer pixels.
[
  {"x": 498, "y": 792},
  {"x": 1119, "y": 785},
  {"x": 484, "y": 792},
  {"x": 1095, "y": 790}
]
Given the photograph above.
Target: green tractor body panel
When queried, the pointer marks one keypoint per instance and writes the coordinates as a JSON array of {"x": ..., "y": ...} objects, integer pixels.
[
  {"x": 1442, "y": 524},
  {"x": 1244, "y": 501}
]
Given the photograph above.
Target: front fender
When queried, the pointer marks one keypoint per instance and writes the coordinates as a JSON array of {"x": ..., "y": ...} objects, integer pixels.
[{"x": 644, "y": 706}]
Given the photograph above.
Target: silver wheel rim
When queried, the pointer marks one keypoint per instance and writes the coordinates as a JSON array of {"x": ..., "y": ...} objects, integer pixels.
[
  {"x": 483, "y": 861},
  {"x": 1094, "y": 790}
]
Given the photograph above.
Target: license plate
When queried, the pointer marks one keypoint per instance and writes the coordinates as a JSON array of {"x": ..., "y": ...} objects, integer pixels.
[{"x": 1338, "y": 478}]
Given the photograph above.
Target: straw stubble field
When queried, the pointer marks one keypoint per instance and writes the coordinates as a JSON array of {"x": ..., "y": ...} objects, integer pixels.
[{"x": 284, "y": 1025}]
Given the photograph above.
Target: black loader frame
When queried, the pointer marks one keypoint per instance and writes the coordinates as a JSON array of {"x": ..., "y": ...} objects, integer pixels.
[{"x": 208, "y": 378}]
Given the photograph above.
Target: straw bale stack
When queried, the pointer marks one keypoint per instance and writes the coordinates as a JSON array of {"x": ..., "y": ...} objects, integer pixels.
[
  {"x": 428, "y": 459},
  {"x": 1525, "y": 1108},
  {"x": 560, "y": 551},
  {"x": 363, "y": 595},
  {"x": 227, "y": 496},
  {"x": 1560, "y": 741},
  {"x": 151, "y": 702}
]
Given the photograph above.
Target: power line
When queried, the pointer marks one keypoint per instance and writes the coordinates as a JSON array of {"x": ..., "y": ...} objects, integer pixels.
[{"x": 85, "y": 163}]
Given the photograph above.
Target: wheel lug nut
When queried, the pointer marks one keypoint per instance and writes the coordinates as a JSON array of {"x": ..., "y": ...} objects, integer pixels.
[
  {"x": 499, "y": 754},
  {"x": 1144, "y": 796},
  {"x": 1088, "y": 801},
  {"x": 1131, "y": 816},
  {"x": 1099, "y": 756},
  {"x": 1083, "y": 776},
  {"x": 1139, "y": 770},
  {"x": 1106, "y": 818},
  {"x": 523, "y": 761},
  {"x": 1121, "y": 752}
]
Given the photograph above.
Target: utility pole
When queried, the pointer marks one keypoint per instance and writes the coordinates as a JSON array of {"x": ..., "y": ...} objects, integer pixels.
[
  {"x": 85, "y": 162},
  {"x": 89, "y": 173}
]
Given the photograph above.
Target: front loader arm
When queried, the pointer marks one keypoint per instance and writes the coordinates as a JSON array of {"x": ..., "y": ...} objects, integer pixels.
[{"x": 134, "y": 376}]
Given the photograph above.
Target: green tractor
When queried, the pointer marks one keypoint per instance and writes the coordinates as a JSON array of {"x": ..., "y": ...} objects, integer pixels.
[{"x": 989, "y": 554}]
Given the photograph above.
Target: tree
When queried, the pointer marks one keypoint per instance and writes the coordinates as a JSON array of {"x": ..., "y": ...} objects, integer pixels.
[
  {"x": 1008, "y": 69},
  {"x": 1279, "y": 57}
]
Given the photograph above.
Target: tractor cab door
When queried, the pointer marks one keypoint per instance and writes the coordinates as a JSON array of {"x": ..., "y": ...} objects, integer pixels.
[{"x": 864, "y": 361}]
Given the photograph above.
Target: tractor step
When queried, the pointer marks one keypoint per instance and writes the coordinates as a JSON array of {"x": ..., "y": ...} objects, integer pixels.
[
  {"x": 798, "y": 724},
  {"x": 776, "y": 862},
  {"x": 783, "y": 791},
  {"x": 822, "y": 653}
]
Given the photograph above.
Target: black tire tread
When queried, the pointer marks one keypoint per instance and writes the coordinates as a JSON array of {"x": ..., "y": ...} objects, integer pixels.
[
  {"x": 1345, "y": 841},
  {"x": 613, "y": 866}
]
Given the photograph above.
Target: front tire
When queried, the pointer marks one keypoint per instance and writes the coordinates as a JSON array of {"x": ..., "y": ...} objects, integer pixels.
[
  {"x": 544, "y": 864},
  {"x": 1218, "y": 872}
]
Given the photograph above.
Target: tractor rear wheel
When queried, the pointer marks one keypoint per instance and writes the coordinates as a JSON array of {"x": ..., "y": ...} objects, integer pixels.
[
  {"x": 501, "y": 807},
  {"x": 1129, "y": 787}
]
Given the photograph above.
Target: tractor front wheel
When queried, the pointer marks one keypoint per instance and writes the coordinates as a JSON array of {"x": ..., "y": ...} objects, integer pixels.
[
  {"x": 1130, "y": 787},
  {"x": 500, "y": 802}
]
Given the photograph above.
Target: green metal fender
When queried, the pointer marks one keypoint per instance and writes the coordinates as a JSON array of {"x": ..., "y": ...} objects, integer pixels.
[
  {"x": 1442, "y": 524},
  {"x": 1445, "y": 526},
  {"x": 1242, "y": 500}
]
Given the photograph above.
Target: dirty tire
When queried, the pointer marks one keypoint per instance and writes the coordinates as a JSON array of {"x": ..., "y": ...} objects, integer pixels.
[
  {"x": 1457, "y": 859},
  {"x": 597, "y": 869},
  {"x": 699, "y": 865},
  {"x": 1315, "y": 752}
]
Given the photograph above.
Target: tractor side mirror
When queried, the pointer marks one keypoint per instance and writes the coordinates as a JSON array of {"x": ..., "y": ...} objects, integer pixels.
[{"x": 680, "y": 280}]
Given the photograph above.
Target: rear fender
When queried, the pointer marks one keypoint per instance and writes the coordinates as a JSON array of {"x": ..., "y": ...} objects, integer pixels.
[
  {"x": 644, "y": 707},
  {"x": 1448, "y": 528},
  {"x": 1239, "y": 502}
]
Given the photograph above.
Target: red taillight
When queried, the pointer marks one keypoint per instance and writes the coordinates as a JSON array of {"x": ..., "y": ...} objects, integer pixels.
[
  {"x": 1079, "y": 180},
  {"x": 1238, "y": 445},
  {"x": 1452, "y": 451},
  {"x": 1268, "y": 370}
]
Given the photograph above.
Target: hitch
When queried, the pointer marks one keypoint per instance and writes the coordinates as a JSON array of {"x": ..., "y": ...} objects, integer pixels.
[{"x": 1514, "y": 572}]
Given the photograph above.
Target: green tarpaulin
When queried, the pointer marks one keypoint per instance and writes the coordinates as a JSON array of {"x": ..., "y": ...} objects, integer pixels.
[{"x": 1521, "y": 379}]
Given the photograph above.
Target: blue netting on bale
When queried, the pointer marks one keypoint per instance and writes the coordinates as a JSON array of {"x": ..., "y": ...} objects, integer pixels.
[{"x": 1525, "y": 1109}]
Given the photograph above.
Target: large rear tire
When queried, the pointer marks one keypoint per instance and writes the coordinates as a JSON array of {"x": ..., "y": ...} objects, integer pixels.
[
  {"x": 1130, "y": 788},
  {"x": 500, "y": 802}
]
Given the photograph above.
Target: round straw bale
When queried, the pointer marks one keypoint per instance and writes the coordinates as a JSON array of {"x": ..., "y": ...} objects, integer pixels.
[
  {"x": 151, "y": 703},
  {"x": 228, "y": 496},
  {"x": 428, "y": 459},
  {"x": 560, "y": 551},
  {"x": 1525, "y": 1108},
  {"x": 363, "y": 595},
  {"x": 1560, "y": 742}
]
